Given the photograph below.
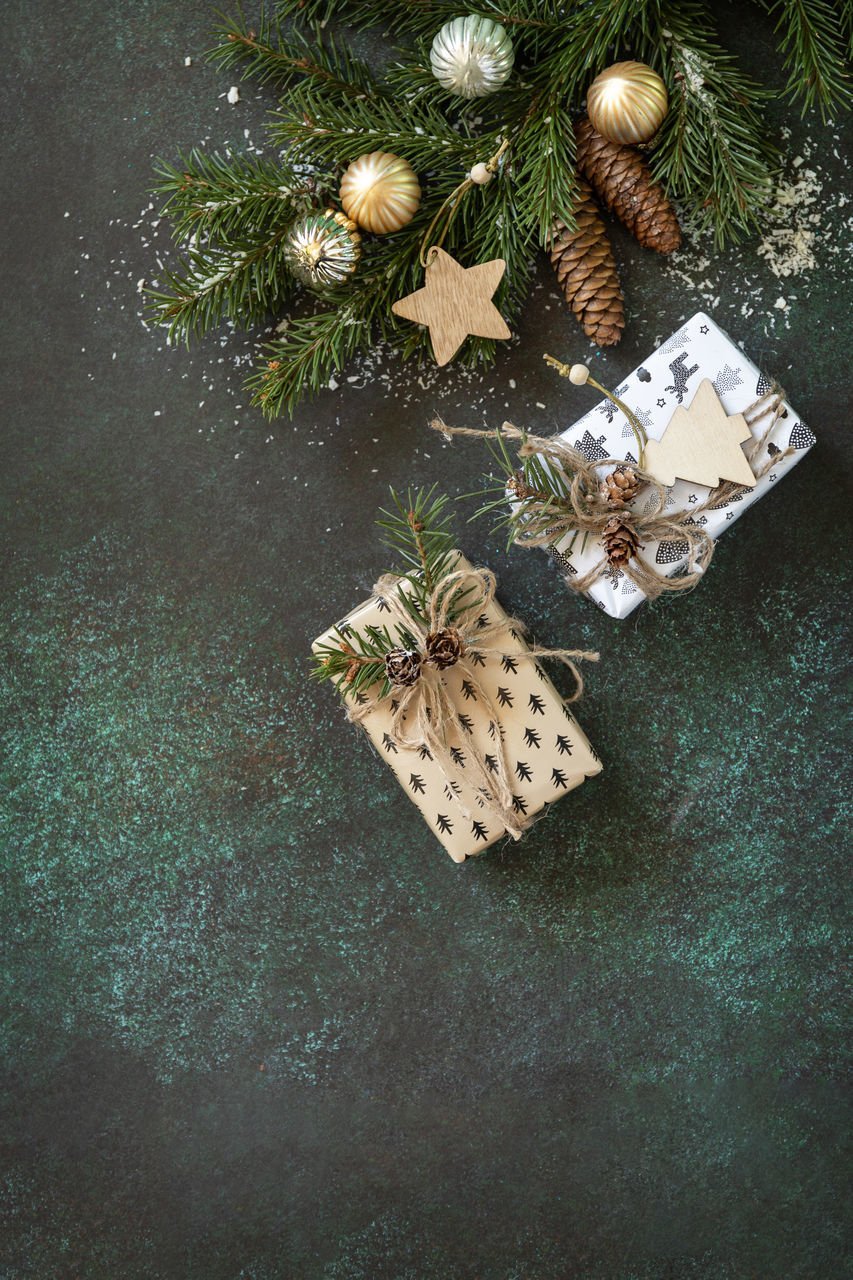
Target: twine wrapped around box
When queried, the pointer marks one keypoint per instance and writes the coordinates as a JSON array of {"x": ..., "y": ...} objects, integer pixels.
[
  {"x": 459, "y": 706},
  {"x": 424, "y": 714},
  {"x": 548, "y": 516}
]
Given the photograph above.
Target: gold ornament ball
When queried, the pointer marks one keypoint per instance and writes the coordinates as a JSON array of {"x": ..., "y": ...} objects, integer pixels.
[
  {"x": 323, "y": 249},
  {"x": 627, "y": 103},
  {"x": 380, "y": 192}
]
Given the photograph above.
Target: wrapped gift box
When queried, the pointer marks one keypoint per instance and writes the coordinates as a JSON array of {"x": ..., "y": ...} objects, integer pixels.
[
  {"x": 547, "y": 750},
  {"x": 668, "y": 378}
]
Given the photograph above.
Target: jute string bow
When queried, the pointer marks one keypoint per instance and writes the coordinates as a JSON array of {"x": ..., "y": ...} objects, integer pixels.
[
  {"x": 425, "y": 714},
  {"x": 548, "y": 518}
]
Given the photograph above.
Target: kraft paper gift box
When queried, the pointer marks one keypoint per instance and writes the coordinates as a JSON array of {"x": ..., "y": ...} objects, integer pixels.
[
  {"x": 547, "y": 751},
  {"x": 668, "y": 378}
]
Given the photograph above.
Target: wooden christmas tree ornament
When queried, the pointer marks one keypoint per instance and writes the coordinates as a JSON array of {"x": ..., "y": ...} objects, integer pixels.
[
  {"x": 701, "y": 444},
  {"x": 455, "y": 302}
]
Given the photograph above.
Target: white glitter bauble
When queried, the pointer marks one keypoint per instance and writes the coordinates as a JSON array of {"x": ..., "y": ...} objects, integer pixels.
[
  {"x": 627, "y": 103},
  {"x": 471, "y": 56},
  {"x": 380, "y": 192}
]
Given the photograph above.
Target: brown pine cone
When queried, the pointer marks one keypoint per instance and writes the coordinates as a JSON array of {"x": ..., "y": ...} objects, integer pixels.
[
  {"x": 583, "y": 261},
  {"x": 402, "y": 666},
  {"x": 620, "y": 542},
  {"x": 444, "y": 648},
  {"x": 623, "y": 183},
  {"x": 620, "y": 487}
]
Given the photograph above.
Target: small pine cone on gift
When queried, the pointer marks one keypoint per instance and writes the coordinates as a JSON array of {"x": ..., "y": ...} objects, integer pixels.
[
  {"x": 620, "y": 542},
  {"x": 623, "y": 183},
  {"x": 586, "y": 270},
  {"x": 402, "y": 666},
  {"x": 444, "y": 648},
  {"x": 621, "y": 487}
]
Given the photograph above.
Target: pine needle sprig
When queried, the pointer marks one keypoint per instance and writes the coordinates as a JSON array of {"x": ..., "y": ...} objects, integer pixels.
[
  {"x": 713, "y": 151},
  {"x": 811, "y": 41},
  {"x": 355, "y": 660},
  {"x": 220, "y": 197},
  {"x": 269, "y": 55},
  {"x": 525, "y": 495},
  {"x": 417, "y": 531},
  {"x": 243, "y": 282}
]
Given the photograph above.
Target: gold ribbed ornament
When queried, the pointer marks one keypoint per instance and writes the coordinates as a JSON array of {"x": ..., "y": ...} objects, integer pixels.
[
  {"x": 323, "y": 249},
  {"x": 380, "y": 192},
  {"x": 627, "y": 103}
]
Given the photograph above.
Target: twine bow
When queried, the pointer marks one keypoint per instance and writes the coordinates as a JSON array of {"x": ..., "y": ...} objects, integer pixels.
[
  {"x": 548, "y": 518},
  {"x": 424, "y": 713}
]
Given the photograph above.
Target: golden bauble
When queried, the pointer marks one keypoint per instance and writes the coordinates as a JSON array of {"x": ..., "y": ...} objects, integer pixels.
[
  {"x": 380, "y": 192},
  {"x": 627, "y": 102}
]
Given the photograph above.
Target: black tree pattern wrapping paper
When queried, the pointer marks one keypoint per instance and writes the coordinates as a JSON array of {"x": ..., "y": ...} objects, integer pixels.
[
  {"x": 670, "y": 377},
  {"x": 548, "y": 752}
]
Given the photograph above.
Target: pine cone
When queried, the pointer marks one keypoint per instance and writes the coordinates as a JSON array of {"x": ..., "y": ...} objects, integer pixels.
[
  {"x": 402, "y": 666},
  {"x": 444, "y": 648},
  {"x": 623, "y": 183},
  {"x": 583, "y": 261},
  {"x": 620, "y": 488},
  {"x": 620, "y": 542}
]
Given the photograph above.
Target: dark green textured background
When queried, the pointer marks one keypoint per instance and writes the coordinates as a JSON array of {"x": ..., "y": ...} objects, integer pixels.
[{"x": 256, "y": 1023}]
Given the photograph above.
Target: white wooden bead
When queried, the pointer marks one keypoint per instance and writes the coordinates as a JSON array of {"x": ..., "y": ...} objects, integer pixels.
[{"x": 578, "y": 374}]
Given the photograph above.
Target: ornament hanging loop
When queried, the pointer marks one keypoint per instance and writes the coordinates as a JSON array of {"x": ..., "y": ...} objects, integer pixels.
[
  {"x": 449, "y": 207},
  {"x": 579, "y": 374}
]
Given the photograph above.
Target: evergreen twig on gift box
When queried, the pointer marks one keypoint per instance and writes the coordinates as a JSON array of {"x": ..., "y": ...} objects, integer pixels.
[{"x": 418, "y": 532}]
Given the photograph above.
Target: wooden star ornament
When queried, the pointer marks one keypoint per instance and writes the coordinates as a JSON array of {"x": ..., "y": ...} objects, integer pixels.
[
  {"x": 701, "y": 444},
  {"x": 456, "y": 302}
]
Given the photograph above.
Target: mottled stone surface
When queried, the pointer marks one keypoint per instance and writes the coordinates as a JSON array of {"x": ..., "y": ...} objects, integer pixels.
[{"x": 257, "y": 1024}]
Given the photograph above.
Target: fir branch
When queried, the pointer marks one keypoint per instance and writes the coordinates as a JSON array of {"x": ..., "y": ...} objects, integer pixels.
[
  {"x": 713, "y": 152},
  {"x": 269, "y": 55},
  {"x": 526, "y": 493},
  {"x": 418, "y": 532},
  {"x": 242, "y": 282},
  {"x": 220, "y": 197},
  {"x": 811, "y": 41},
  {"x": 355, "y": 660}
]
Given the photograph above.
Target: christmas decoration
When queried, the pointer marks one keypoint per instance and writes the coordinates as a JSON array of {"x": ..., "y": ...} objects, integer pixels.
[
  {"x": 402, "y": 667},
  {"x": 627, "y": 102},
  {"x": 701, "y": 444},
  {"x": 380, "y": 192},
  {"x": 455, "y": 302},
  {"x": 451, "y": 694},
  {"x": 620, "y": 488},
  {"x": 556, "y": 498},
  {"x": 586, "y": 271},
  {"x": 471, "y": 56},
  {"x": 620, "y": 541},
  {"x": 323, "y": 249},
  {"x": 623, "y": 182},
  {"x": 713, "y": 155}
]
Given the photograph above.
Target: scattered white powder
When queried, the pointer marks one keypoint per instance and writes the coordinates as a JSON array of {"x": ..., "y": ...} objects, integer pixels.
[
  {"x": 788, "y": 245},
  {"x": 188, "y": 62}
]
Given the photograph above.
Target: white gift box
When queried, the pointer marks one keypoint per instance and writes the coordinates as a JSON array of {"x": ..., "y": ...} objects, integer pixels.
[{"x": 668, "y": 378}]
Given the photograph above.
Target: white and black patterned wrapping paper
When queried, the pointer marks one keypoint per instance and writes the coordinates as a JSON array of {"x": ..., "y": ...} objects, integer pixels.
[
  {"x": 670, "y": 377},
  {"x": 547, "y": 751}
]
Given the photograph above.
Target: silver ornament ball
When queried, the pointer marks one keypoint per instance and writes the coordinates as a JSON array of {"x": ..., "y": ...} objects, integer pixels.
[{"x": 472, "y": 56}]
